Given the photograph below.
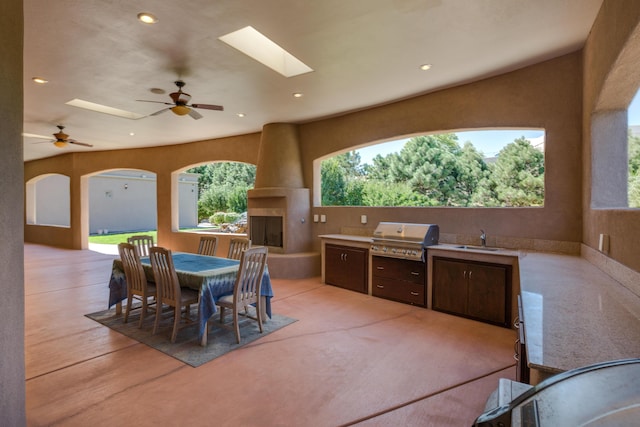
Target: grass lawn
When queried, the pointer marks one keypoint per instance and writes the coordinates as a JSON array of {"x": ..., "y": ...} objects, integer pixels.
[{"x": 114, "y": 239}]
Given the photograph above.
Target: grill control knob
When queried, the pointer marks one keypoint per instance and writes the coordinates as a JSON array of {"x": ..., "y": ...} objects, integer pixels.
[
  {"x": 394, "y": 250},
  {"x": 384, "y": 249}
]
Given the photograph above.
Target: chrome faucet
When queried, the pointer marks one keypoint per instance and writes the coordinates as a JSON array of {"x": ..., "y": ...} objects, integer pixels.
[{"x": 483, "y": 238}]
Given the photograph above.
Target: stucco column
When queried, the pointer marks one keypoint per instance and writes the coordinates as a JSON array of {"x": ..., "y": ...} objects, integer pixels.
[
  {"x": 279, "y": 163},
  {"x": 12, "y": 368}
]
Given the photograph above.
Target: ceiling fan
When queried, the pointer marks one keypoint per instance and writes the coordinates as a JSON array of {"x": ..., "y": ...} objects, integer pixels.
[
  {"x": 180, "y": 105},
  {"x": 62, "y": 139}
]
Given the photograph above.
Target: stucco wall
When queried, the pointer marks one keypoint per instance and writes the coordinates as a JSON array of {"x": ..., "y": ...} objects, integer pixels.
[
  {"x": 547, "y": 95},
  {"x": 161, "y": 161},
  {"x": 611, "y": 79},
  {"x": 12, "y": 368}
]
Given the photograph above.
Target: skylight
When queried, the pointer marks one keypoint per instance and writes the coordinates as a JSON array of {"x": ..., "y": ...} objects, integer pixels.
[
  {"x": 104, "y": 109},
  {"x": 254, "y": 44}
]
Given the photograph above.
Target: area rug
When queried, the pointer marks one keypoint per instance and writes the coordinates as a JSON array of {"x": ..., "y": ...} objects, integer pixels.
[{"x": 187, "y": 347}]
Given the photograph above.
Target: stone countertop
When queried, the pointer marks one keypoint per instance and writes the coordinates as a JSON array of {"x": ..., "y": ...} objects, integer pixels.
[
  {"x": 347, "y": 237},
  {"x": 575, "y": 314}
]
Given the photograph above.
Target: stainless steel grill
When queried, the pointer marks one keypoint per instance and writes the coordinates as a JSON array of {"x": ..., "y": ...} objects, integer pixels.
[{"x": 404, "y": 240}]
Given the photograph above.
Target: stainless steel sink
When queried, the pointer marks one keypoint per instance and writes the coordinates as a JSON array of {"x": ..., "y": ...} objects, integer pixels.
[{"x": 477, "y": 248}]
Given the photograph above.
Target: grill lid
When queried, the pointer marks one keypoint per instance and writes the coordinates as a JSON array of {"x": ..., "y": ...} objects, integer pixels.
[{"x": 419, "y": 234}]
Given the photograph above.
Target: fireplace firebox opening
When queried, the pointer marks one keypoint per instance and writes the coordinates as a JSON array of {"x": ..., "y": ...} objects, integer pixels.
[{"x": 266, "y": 231}]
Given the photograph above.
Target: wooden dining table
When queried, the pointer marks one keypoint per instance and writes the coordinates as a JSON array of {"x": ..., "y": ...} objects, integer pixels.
[{"x": 213, "y": 277}]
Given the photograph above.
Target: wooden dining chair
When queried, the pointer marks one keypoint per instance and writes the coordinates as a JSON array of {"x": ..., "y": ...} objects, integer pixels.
[
  {"x": 246, "y": 290},
  {"x": 137, "y": 285},
  {"x": 142, "y": 242},
  {"x": 236, "y": 246},
  {"x": 208, "y": 245},
  {"x": 169, "y": 291}
]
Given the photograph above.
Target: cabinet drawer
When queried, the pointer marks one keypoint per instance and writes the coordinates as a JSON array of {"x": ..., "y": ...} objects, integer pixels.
[
  {"x": 399, "y": 269},
  {"x": 399, "y": 291}
]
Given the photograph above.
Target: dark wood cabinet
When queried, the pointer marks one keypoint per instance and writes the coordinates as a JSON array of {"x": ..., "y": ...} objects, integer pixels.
[
  {"x": 473, "y": 289},
  {"x": 399, "y": 280},
  {"x": 346, "y": 267}
]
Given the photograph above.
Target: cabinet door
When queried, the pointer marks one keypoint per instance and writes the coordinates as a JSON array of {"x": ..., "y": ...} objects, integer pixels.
[
  {"x": 346, "y": 267},
  {"x": 449, "y": 286},
  {"x": 487, "y": 293}
]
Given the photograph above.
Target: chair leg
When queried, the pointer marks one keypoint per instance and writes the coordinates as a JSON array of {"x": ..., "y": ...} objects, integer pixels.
[
  {"x": 221, "y": 314},
  {"x": 236, "y": 324},
  {"x": 129, "y": 302},
  {"x": 259, "y": 314},
  {"x": 176, "y": 322},
  {"x": 143, "y": 313},
  {"x": 158, "y": 314}
]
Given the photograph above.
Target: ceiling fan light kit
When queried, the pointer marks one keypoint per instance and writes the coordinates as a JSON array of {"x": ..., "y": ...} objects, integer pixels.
[
  {"x": 180, "y": 110},
  {"x": 62, "y": 139}
]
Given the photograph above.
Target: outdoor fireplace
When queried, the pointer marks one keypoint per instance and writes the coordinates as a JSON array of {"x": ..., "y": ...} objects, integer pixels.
[{"x": 277, "y": 218}]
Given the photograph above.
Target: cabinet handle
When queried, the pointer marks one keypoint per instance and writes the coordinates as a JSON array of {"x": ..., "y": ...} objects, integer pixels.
[
  {"x": 516, "y": 322},
  {"x": 464, "y": 274},
  {"x": 379, "y": 268},
  {"x": 345, "y": 256},
  {"x": 380, "y": 286},
  {"x": 516, "y": 354},
  {"x": 415, "y": 273},
  {"x": 415, "y": 294},
  {"x": 470, "y": 271}
]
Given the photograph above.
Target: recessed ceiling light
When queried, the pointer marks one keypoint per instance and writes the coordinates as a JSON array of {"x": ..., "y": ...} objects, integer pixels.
[
  {"x": 240, "y": 114},
  {"x": 40, "y": 80},
  {"x": 157, "y": 90},
  {"x": 425, "y": 67},
  {"x": 298, "y": 95},
  {"x": 256, "y": 45},
  {"x": 147, "y": 18},
  {"x": 131, "y": 133}
]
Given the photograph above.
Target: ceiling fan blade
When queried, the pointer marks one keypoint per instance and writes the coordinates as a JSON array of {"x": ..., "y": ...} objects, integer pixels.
[
  {"x": 193, "y": 113},
  {"x": 161, "y": 111},
  {"x": 155, "y": 102},
  {"x": 208, "y": 107},
  {"x": 35, "y": 135},
  {"x": 71, "y": 141}
]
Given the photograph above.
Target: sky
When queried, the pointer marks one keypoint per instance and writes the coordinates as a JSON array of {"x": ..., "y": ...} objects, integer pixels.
[{"x": 489, "y": 142}]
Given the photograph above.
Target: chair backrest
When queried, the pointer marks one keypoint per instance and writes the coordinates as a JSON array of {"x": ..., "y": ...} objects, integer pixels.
[
  {"x": 142, "y": 243},
  {"x": 247, "y": 287},
  {"x": 208, "y": 245},
  {"x": 133, "y": 269},
  {"x": 236, "y": 246},
  {"x": 165, "y": 275}
]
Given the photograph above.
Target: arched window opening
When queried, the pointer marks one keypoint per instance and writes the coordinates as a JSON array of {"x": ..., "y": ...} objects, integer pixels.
[
  {"x": 122, "y": 201},
  {"x": 633, "y": 150},
  {"x": 480, "y": 168},
  {"x": 48, "y": 199},
  {"x": 221, "y": 195}
]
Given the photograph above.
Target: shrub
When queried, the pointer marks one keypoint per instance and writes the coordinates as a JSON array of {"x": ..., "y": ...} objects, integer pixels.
[
  {"x": 217, "y": 218},
  {"x": 231, "y": 217}
]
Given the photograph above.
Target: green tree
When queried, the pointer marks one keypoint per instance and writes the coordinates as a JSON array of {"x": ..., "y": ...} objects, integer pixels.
[
  {"x": 438, "y": 169},
  {"x": 633, "y": 145},
  {"x": 381, "y": 193},
  {"x": 519, "y": 175},
  {"x": 341, "y": 180},
  {"x": 223, "y": 187}
]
